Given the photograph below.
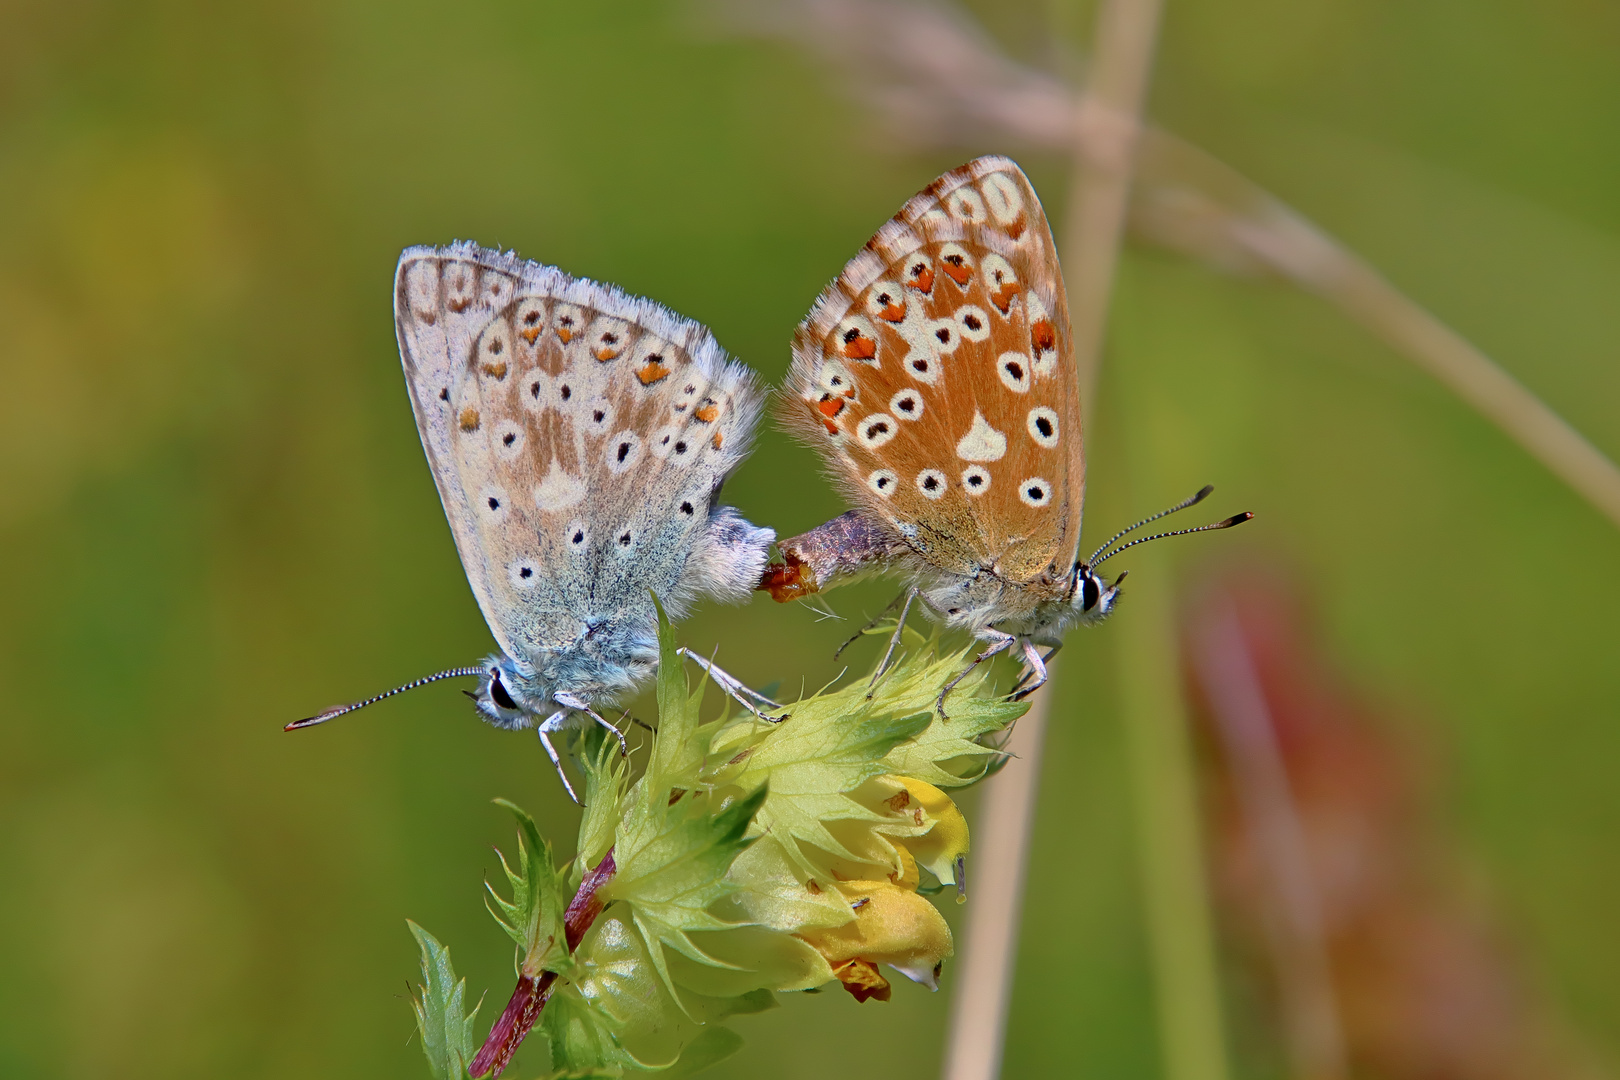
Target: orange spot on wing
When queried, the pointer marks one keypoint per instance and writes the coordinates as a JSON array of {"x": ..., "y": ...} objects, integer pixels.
[
  {"x": 717, "y": 440},
  {"x": 957, "y": 272},
  {"x": 565, "y": 334},
  {"x": 651, "y": 372},
  {"x": 1016, "y": 229},
  {"x": 530, "y": 335},
  {"x": 1003, "y": 297},
  {"x": 605, "y": 354},
  {"x": 1042, "y": 336},
  {"x": 495, "y": 369},
  {"x": 469, "y": 419},
  {"x": 708, "y": 413},
  {"x": 923, "y": 281},
  {"x": 830, "y": 406},
  {"x": 893, "y": 313},
  {"x": 861, "y": 348}
]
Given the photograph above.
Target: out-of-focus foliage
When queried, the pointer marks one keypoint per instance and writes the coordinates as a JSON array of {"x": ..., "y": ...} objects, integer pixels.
[{"x": 215, "y": 516}]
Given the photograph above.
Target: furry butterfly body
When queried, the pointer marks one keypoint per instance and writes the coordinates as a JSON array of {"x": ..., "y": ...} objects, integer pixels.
[
  {"x": 936, "y": 377},
  {"x": 578, "y": 437}
]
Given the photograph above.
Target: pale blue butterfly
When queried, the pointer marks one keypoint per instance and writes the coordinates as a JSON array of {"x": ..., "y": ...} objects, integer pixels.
[{"x": 579, "y": 437}]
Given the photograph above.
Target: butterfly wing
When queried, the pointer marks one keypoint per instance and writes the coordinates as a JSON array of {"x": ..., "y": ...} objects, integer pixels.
[
  {"x": 578, "y": 437},
  {"x": 936, "y": 376}
]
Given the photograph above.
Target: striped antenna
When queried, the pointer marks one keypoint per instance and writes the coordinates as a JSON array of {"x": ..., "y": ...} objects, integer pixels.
[
  {"x": 334, "y": 713},
  {"x": 1191, "y": 500},
  {"x": 1235, "y": 519}
]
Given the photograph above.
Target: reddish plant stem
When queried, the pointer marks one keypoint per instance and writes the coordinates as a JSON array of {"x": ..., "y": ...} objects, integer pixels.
[{"x": 522, "y": 1011}]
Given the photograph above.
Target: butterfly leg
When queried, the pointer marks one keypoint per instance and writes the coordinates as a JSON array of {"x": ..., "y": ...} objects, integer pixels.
[
  {"x": 1035, "y": 668},
  {"x": 874, "y": 620},
  {"x": 999, "y": 643},
  {"x": 552, "y": 724},
  {"x": 733, "y": 686},
  {"x": 580, "y": 705},
  {"x": 894, "y": 641}
]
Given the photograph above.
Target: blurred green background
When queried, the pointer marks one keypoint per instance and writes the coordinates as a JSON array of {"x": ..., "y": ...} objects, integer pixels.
[{"x": 215, "y": 516}]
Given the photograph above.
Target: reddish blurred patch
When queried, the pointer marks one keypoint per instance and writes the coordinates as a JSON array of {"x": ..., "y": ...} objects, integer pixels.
[{"x": 1329, "y": 870}]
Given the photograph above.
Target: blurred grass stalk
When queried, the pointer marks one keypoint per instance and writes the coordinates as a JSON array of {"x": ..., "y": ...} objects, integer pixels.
[{"x": 1176, "y": 898}]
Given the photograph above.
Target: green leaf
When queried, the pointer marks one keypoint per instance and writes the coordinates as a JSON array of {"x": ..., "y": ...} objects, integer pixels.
[
  {"x": 677, "y": 753},
  {"x": 711, "y": 1047},
  {"x": 606, "y": 777},
  {"x": 673, "y": 860},
  {"x": 447, "y": 1032},
  {"x": 533, "y": 918}
]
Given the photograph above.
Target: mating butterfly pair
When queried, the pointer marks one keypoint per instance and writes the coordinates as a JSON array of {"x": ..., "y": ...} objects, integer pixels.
[{"x": 579, "y": 437}]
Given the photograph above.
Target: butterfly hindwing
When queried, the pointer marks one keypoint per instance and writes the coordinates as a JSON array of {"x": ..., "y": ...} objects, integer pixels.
[
  {"x": 936, "y": 375},
  {"x": 578, "y": 436}
]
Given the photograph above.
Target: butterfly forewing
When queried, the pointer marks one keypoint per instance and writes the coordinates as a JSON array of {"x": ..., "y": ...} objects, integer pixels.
[
  {"x": 936, "y": 374},
  {"x": 577, "y": 436}
]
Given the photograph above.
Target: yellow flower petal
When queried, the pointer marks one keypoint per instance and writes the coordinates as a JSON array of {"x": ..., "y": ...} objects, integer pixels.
[
  {"x": 942, "y": 849},
  {"x": 892, "y": 926}
]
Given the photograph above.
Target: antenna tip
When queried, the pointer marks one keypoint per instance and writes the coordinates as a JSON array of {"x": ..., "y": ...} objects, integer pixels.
[
  {"x": 318, "y": 718},
  {"x": 1237, "y": 519},
  {"x": 1203, "y": 493}
]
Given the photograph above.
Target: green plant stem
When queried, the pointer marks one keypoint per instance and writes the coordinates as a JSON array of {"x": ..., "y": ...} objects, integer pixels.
[{"x": 1175, "y": 894}]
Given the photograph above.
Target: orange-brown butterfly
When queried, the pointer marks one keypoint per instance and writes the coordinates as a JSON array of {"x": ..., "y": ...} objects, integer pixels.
[{"x": 936, "y": 376}]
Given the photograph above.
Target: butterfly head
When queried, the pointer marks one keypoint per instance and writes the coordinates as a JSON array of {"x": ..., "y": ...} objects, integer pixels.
[
  {"x": 1093, "y": 598},
  {"x": 506, "y": 697}
]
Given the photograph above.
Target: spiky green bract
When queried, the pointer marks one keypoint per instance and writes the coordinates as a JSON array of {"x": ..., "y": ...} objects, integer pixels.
[
  {"x": 446, "y": 1031},
  {"x": 533, "y": 918},
  {"x": 606, "y": 778},
  {"x": 818, "y": 762}
]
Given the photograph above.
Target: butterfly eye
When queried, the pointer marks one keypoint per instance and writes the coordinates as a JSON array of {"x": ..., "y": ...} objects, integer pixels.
[
  {"x": 1090, "y": 593},
  {"x": 498, "y": 692}
]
